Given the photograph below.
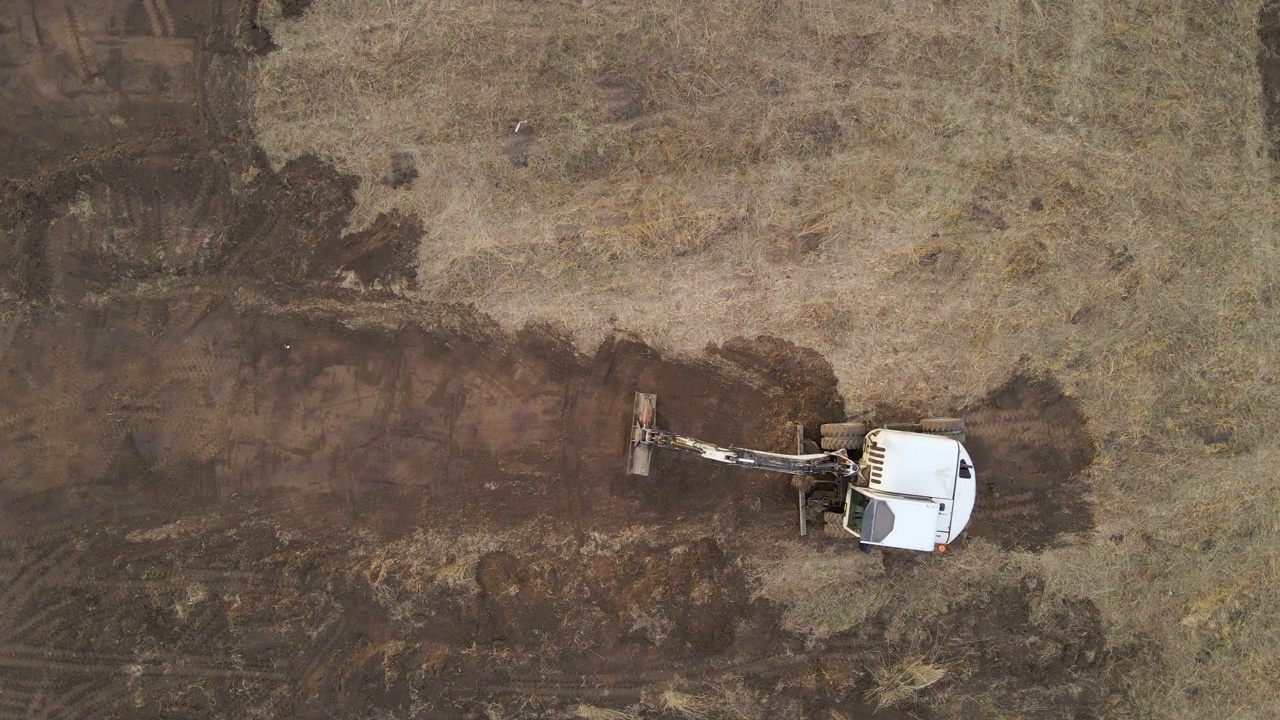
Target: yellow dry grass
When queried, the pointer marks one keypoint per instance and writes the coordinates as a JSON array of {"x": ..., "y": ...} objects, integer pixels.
[
  {"x": 729, "y": 699},
  {"x": 902, "y": 681},
  {"x": 930, "y": 193}
]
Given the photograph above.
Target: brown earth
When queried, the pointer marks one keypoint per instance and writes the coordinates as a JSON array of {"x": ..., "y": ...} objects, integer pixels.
[{"x": 240, "y": 474}]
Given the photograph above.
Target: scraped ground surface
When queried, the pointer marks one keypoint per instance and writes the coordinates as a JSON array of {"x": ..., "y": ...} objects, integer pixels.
[{"x": 320, "y": 325}]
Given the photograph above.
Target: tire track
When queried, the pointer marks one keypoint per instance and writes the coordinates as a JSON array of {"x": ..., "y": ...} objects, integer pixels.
[
  {"x": 86, "y": 700},
  {"x": 85, "y": 60},
  {"x": 48, "y": 530},
  {"x": 15, "y": 704},
  {"x": 1029, "y": 443},
  {"x": 570, "y": 473},
  {"x": 1002, "y": 507},
  {"x": 35, "y": 25},
  {"x": 54, "y": 661},
  {"x": 31, "y": 578},
  {"x": 38, "y": 620},
  {"x": 159, "y": 17},
  {"x": 631, "y": 685}
]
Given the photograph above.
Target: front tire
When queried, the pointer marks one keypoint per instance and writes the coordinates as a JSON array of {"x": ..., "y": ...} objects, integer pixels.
[
  {"x": 841, "y": 443},
  {"x": 842, "y": 436}
]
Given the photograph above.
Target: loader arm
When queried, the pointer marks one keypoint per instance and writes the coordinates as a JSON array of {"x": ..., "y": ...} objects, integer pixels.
[
  {"x": 817, "y": 464},
  {"x": 645, "y": 436}
]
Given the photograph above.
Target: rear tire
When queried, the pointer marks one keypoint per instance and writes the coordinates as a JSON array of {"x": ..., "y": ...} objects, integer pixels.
[
  {"x": 842, "y": 443},
  {"x": 905, "y": 427},
  {"x": 836, "y": 532},
  {"x": 844, "y": 429},
  {"x": 946, "y": 427}
]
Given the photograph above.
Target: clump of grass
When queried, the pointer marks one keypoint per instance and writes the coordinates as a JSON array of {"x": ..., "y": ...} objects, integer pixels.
[
  {"x": 730, "y": 699},
  {"x": 901, "y": 682},
  {"x": 592, "y": 712}
]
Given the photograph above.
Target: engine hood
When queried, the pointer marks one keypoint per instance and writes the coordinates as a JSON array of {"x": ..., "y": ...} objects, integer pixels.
[{"x": 908, "y": 463}]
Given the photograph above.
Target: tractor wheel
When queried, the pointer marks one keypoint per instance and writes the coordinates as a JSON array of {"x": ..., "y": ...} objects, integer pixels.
[
  {"x": 844, "y": 429},
  {"x": 832, "y": 518},
  {"x": 942, "y": 425},
  {"x": 956, "y": 435},
  {"x": 850, "y": 442},
  {"x": 906, "y": 427}
]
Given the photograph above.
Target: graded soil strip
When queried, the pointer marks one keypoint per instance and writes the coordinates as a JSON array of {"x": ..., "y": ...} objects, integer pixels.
[{"x": 156, "y": 405}]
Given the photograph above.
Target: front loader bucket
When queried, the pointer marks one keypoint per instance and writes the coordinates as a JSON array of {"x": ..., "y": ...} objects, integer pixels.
[{"x": 643, "y": 417}]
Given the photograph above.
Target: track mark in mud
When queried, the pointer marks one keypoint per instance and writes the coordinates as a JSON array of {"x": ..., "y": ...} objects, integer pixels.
[
  {"x": 632, "y": 684},
  {"x": 88, "y": 700},
  {"x": 24, "y": 586},
  {"x": 73, "y": 662},
  {"x": 81, "y": 50},
  {"x": 159, "y": 17}
]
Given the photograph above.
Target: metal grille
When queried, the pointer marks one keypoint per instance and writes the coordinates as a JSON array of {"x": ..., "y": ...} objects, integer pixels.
[{"x": 874, "y": 455}]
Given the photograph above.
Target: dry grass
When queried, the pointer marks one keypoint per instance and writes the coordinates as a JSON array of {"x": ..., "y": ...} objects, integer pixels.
[
  {"x": 591, "y": 712},
  {"x": 729, "y": 699},
  {"x": 823, "y": 592},
  {"x": 403, "y": 574},
  {"x": 902, "y": 681},
  {"x": 829, "y": 592},
  {"x": 931, "y": 194}
]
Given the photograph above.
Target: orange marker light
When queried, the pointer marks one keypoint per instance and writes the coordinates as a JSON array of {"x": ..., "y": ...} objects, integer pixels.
[{"x": 942, "y": 548}]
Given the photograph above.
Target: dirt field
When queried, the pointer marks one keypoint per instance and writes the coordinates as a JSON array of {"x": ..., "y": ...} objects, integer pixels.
[{"x": 319, "y": 335}]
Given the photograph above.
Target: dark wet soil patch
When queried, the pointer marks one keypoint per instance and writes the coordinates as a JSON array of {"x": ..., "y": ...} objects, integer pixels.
[
  {"x": 520, "y": 143},
  {"x": 1268, "y": 61},
  {"x": 1029, "y": 446},
  {"x": 294, "y": 8},
  {"x": 386, "y": 253}
]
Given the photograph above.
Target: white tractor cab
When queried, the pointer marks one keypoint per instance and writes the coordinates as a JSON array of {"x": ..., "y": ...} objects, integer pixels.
[
  {"x": 913, "y": 486},
  {"x": 919, "y": 491}
]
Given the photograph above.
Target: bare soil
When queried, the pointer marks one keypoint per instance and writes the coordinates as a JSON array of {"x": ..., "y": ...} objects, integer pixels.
[{"x": 240, "y": 474}]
